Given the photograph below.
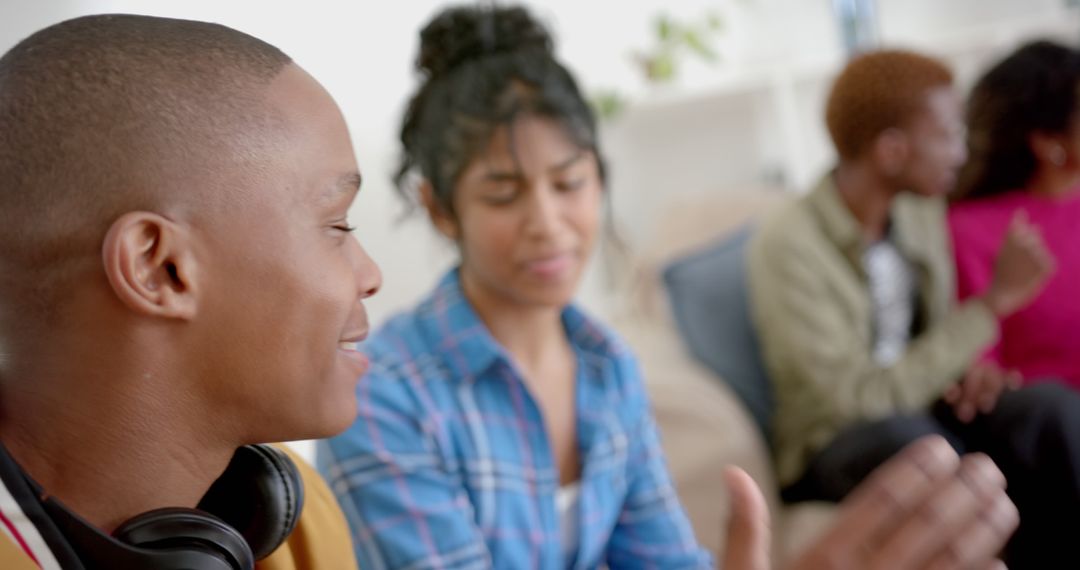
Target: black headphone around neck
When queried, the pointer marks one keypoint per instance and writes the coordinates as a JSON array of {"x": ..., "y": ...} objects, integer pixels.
[{"x": 247, "y": 513}]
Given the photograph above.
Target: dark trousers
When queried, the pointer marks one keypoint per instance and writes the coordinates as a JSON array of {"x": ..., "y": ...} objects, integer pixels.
[{"x": 1033, "y": 435}]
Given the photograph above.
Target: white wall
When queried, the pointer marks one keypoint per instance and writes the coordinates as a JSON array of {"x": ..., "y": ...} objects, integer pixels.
[
  {"x": 759, "y": 118},
  {"x": 716, "y": 127},
  {"x": 362, "y": 51}
]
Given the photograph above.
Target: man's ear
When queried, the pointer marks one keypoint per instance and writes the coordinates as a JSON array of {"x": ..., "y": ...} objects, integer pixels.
[
  {"x": 151, "y": 266},
  {"x": 891, "y": 150},
  {"x": 443, "y": 220}
]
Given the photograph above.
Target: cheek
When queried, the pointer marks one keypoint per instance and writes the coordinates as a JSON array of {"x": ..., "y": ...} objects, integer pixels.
[
  {"x": 329, "y": 290},
  {"x": 489, "y": 238},
  {"x": 926, "y": 163},
  {"x": 306, "y": 302},
  {"x": 1074, "y": 141},
  {"x": 585, "y": 212}
]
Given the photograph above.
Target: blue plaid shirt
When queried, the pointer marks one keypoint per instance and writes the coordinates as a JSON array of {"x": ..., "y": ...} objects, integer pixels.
[{"x": 449, "y": 466}]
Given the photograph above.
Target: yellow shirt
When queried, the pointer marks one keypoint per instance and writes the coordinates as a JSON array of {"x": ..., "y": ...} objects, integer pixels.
[
  {"x": 321, "y": 540},
  {"x": 12, "y": 557}
]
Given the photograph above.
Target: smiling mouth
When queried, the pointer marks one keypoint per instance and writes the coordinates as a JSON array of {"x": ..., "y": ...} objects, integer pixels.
[
  {"x": 550, "y": 259},
  {"x": 353, "y": 338},
  {"x": 550, "y": 266},
  {"x": 349, "y": 350},
  {"x": 348, "y": 345}
]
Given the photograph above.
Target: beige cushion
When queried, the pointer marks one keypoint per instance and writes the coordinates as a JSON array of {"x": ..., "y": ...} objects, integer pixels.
[{"x": 703, "y": 426}]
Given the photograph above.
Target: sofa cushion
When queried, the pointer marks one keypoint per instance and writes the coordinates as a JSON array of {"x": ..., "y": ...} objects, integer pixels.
[
  {"x": 704, "y": 429},
  {"x": 710, "y": 301}
]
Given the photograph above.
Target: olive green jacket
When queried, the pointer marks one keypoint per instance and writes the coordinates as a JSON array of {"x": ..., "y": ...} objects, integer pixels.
[{"x": 810, "y": 303}]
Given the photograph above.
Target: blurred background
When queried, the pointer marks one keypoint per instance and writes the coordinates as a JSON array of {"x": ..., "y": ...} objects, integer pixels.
[
  {"x": 711, "y": 113},
  {"x": 698, "y": 97}
]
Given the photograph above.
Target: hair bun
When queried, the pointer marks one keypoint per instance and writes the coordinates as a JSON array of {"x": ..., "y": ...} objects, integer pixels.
[{"x": 465, "y": 33}]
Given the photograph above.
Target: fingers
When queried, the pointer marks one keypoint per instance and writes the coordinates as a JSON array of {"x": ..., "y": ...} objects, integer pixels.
[
  {"x": 948, "y": 527},
  {"x": 1022, "y": 266},
  {"x": 972, "y": 390},
  {"x": 952, "y": 395},
  {"x": 988, "y": 399},
  {"x": 748, "y": 535},
  {"x": 926, "y": 508},
  {"x": 966, "y": 411},
  {"x": 1040, "y": 253},
  {"x": 881, "y": 504},
  {"x": 980, "y": 390},
  {"x": 977, "y": 546},
  {"x": 1019, "y": 219},
  {"x": 1024, "y": 234},
  {"x": 992, "y": 391},
  {"x": 993, "y": 384},
  {"x": 1014, "y": 380},
  {"x": 877, "y": 506}
]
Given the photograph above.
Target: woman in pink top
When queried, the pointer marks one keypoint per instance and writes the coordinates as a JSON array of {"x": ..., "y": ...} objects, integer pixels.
[{"x": 1024, "y": 144}]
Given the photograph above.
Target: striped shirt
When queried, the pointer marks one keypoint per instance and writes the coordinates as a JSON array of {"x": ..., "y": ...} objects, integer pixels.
[
  {"x": 893, "y": 284},
  {"x": 449, "y": 465},
  {"x": 32, "y": 539},
  {"x": 32, "y": 528}
]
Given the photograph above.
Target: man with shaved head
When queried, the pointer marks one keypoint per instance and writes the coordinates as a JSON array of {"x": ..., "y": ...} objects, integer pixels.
[{"x": 177, "y": 281}]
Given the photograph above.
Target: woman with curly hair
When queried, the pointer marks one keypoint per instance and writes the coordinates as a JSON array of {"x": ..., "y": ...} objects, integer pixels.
[{"x": 503, "y": 427}]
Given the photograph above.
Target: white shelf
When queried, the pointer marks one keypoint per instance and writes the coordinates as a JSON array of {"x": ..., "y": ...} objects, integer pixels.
[
  {"x": 738, "y": 80},
  {"x": 737, "y": 127}
]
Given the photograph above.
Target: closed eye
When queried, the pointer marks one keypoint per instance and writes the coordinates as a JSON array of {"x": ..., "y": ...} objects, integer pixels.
[
  {"x": 503, "y": 195},
  {"x": 571, "y": 185}
]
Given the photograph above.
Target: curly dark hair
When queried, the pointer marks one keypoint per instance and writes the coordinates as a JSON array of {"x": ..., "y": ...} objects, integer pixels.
[
  {"x": 1032, "y": 90},
  {"x": 483, "y": 66}
]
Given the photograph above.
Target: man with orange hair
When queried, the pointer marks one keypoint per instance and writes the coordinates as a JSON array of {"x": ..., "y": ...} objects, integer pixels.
[{"x": 852, "y": 295}]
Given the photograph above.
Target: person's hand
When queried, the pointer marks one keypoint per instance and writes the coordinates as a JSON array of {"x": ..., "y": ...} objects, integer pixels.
[
  {"x": 980, "y": 389},
  {"x": 924, "y": 509},
  {"x": 749, "y": 537},
  {"x": 1021, "y": 269}
]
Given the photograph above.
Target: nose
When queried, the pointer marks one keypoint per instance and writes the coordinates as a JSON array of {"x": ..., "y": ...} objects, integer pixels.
[
  {"x": 367, "y": 272},
  {"x": 961, "y": 153},
  {"x": 959, "y": 146},
  {"x": 542, "y": 217}
]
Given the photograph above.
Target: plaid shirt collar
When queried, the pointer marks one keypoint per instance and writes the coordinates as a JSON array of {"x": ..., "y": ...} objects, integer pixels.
[{"x": 461, "y": 339}]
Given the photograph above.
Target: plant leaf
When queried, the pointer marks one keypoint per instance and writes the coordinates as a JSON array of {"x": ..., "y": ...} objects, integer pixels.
[
  {"x": 664, "y": 28},
  {"x": 697, "y": 45}
]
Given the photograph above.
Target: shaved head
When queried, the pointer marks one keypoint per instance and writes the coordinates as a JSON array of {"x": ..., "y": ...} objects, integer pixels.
[
  {"x": 178, "y": 275},
  {"x": 106, "y": 114}
]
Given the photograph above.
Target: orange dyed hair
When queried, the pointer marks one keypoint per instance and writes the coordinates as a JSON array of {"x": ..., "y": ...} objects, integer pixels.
[{"x": 877, "y": 91}]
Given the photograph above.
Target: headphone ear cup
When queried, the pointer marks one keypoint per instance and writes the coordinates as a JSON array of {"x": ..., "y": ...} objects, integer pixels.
[
  {"x": 187, "y": 530},
  {"x": 261, "y": 495}
]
